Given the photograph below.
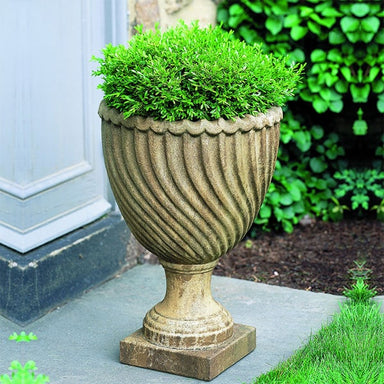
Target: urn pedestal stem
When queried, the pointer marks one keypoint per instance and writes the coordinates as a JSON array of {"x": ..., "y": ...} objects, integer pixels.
[{"x": 188, "y": 317}]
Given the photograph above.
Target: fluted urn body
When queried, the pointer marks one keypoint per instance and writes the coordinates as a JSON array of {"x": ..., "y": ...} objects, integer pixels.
[{"x": 189, "y": 191}]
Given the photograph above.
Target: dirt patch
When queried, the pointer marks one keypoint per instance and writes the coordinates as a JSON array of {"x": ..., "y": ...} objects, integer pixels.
[{"x": 315, "y": 257}]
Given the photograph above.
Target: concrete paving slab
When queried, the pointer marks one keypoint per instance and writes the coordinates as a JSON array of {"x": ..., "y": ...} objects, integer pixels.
[{"x": 79, "y": 342}]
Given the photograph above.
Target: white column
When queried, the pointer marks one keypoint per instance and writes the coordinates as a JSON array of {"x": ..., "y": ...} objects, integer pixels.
[{"x": 52, "y": 177}]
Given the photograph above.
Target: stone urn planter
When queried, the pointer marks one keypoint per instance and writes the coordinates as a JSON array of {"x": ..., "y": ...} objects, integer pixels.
[
  {"x": 190, "y": 131},
  {"x": 189, "y": 191}
]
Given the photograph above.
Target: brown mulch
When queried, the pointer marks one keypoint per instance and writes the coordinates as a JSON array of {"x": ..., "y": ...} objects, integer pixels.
[{"x": 315, "y": 257}]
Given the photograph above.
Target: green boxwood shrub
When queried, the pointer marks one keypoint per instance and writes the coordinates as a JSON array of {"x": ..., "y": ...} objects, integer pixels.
[{"x": 192, "y": 73}]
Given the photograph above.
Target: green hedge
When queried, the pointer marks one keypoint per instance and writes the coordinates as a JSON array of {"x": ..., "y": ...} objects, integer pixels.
[{"x": 332, "y": 135}]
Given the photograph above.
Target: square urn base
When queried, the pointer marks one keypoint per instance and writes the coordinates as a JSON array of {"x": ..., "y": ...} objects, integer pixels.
[{"x": 203, "y": 364}]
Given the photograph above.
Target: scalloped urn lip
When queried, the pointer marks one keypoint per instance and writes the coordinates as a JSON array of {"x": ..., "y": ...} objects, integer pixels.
[{"x": 195, "y": 128}]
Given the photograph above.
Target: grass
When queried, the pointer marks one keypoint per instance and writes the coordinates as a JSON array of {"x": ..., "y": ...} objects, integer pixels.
[{"x": 349, "y": 350}]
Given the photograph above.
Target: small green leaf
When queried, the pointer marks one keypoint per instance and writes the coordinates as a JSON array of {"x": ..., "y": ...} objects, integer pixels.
[
  {"x": 370, "y": 24},
  {"x": 336, "y": 106},
  {"x": 341, "y": 86},
  {"x": 254, "y": 7},
  {"x": 314, "y": 28},
  {"x": 274, "y": 24},
  {"x": 367, "y": 37},
  {"x": 287, "y": 226},
  {"x": 320, "y": 105},
  {"x": 265, "y": 211},
  {"x": 286, "y": 199},
  {"x": 313, "y": 85},
  {"x": 298, "y": 32},
  {"x": 318, "y": 55},
  {"x": 303, "y": 140},
  {"x": 353, "y": 37},
  {"x": 380, "y": 37},
  {"x": 291, "y": 20},
  {"x": 349, "y": 24},
  {"x": 296, "y": 56},
  {"x": 360, "y": 10},
  {"x": 236, "y": 15},
  {"x": 336, "y": 37},
  {"x": 360, "y": 94},
  {"x": 380, "y": 103},
  {"x": 335, "y": 55},
  {"x": 360, "y": 127},
  {"x": 346, "y": 73},
  {"x": 373, "y": 72},
  {"x": 318, "y": 165},
  {"x": 317, "y": 132},
  {"x": 331, "y": 12}
]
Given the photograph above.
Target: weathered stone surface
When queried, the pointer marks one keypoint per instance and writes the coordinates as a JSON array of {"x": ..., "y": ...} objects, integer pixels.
[
  {"x": 147, "y": 13},
  {"x": 188, "y": 317},
  {"x": 202, "y": 364},
  {"x": 172, "y": 6},
  {"x": 189, "y": 191}
]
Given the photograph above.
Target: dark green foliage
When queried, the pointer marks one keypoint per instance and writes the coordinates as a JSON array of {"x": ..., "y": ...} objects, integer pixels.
[
  {"x": 342, "y": 42},
  {"x": 193, "y": 73},
  {"x": 332, "y": 127},
  {"x": 302, "y": 182}
]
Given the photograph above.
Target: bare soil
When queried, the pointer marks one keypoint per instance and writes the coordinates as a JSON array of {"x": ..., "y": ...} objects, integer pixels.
[{"x": 316, "y": 257}]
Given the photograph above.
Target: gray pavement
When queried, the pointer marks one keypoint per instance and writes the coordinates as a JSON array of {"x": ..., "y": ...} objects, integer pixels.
[{"x": 79, "y": 342}]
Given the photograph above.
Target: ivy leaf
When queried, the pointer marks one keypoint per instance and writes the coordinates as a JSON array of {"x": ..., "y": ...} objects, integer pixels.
[
  {"x": 378, "y": 86},
  {"x": 367, "y": 37},
  {"x": 360, "y": 127},
  {"x": 292, "y": 20},
  {"x": 360, "y": 94},
  {"x": 380, "y": 37},
  {"x": 335, "y": 55},
  {"x": 370, "y": 24},
  {"x": 296, "y": 56},
  {"x": 236, "y": 15},
  {"x": 317, "y": 132},
  {"x": 336, "y": 106},
  {"x": 373, "y": 72},
  {"x": 380, "y": 103},
  {"x": 265, "y": 211},
  {"x": 341, "y": 86},
  {"x": 318, "y": 165},
  {"x": 318, "y": 55},
  {"x": 313, "y": 85},
  {"x": 314, "y": 28},
  {"x": 254, "y": 7},
  {"x": 303, "y": 140},
  {"x": 331, "y": 12},
  {"x": 346, "y": 73},
  {"x": 286, "y": 199},
  {"x": 360, "y": 10},
  {"x": 320, "y": 105},
  {"x": 298, "y": 32},
  {"x": 349, "y": 24},
  {"x": 336, "y": 37},
  {"x": 274, "y": 24}
]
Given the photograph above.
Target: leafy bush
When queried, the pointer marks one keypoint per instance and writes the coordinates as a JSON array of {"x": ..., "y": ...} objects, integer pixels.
[
  {"x": 360, "y": 187},
  {"x": 302, "y": 182},
  {"x": 340, "y": 98},
  {"x": 342, "y": 42},
  {"x": 193, "y": 73}
]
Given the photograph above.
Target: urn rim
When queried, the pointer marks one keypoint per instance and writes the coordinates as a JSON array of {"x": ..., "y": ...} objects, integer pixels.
[{"x": 195, "y": 128}]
